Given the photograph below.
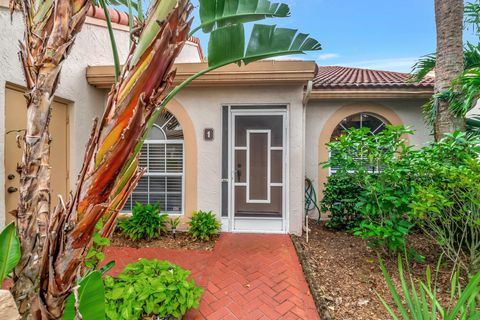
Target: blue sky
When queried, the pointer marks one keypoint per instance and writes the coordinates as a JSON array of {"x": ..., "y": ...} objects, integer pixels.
[{"x": 377, "y": 34}]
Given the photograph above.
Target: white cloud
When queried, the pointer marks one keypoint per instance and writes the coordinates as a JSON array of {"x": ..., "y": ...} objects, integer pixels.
[
  {"x": 327, "y": 56},
  {"x": 391, "y": 64}
]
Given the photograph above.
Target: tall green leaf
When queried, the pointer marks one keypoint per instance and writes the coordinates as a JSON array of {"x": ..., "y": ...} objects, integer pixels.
[
  {"x": 219, "y": 13},
  {"x": 91, "y": 296},
  {"x": 9, "y": 250},
  {"x": 265, "y": 42}
]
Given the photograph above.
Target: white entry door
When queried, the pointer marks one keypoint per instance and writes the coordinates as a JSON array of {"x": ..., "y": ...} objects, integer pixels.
[{"x": 258, "y": 171}]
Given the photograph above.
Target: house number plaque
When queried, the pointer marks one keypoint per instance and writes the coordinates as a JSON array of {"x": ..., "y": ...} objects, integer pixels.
[{"x": 208, "y": 134}]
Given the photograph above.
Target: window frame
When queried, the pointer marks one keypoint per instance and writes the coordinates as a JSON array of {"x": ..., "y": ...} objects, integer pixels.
[
  {"x": 384, "y": 121},
  {"x": 166, "y": 174}
]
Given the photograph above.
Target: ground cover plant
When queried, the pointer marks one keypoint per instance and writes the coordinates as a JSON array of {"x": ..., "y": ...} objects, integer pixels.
[
  {"x": 203, "y": 225},
  {"x": 150, "y": 288},
  {"x": 146, "y": 222}
]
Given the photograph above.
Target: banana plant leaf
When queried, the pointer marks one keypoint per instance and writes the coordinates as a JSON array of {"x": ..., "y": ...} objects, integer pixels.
[
  {"x": 9, "y": 250},
  {"x": 219, "y": 13},
  {"x": 227, "y": 44},
  {"x": 91, "y": 295}
]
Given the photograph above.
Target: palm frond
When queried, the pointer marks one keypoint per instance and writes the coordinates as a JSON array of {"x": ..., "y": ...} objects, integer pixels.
[
  {"x": 423, "y": 67},
  {"x": 471, "y": 56},
  {"x": 426, "y": 64},
  {"x": 429, "y": 110},
  {"x": 472, "y": 15},
  {"x": 468, "y": 86}
]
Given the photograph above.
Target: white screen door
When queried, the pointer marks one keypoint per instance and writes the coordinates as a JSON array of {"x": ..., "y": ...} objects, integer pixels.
[{"x": 258, "y": 171}]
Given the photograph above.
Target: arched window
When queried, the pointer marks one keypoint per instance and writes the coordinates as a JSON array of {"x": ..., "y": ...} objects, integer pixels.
[
  {"x": 162, "y": 156},
  {"x": 372, "y": 121}
]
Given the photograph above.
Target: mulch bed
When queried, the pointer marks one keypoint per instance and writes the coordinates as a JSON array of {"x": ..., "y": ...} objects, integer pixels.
[
  {"x": 182, "y": 241},
  {"x": 344, "y": 274}
]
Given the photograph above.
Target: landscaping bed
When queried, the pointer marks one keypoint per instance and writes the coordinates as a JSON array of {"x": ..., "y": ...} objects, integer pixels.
[
  {"x": 182, "y": 241},
  {"x": 344, "y": 273}
]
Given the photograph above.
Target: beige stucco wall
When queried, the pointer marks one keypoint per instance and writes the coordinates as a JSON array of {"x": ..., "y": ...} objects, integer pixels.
[
  {"x": 475, "y": 111},
  {"x": 92, "y": 47},
  {"x": 321, "y": 114},
  {"x": 204, "y": 106}
]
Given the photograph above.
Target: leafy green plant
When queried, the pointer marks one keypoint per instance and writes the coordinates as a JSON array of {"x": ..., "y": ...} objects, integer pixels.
[
  {"x": 371, "y": 190},
  {"x": 9, "y": 251},
  {"x": 420, "y": 301},
  {"x": 146, "y": 222},
  {"x": 203, "y": 225},
  {"x": 447, "y": 201},
  {"x": 391, "y": 234},
  {"x": 89, "y": 300},
  {"x": 340, "y": 198},
  {"x": 174, "y": 222},
  {"x": 150, "y": 287},
  {"x": 95, "y": 254}
]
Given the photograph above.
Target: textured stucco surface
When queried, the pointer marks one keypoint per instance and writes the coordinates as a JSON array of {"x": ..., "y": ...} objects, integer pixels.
[
  {"x": 475, "y": 110},
  {"x": 204, "y": 106},
  {"x": 92, "y": 47}
]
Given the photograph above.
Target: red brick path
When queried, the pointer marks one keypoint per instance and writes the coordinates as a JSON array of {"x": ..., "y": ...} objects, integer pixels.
[{"x": 246, "y": 276}]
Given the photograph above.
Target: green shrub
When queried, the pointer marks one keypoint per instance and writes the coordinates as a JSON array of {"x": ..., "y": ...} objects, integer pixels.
[
  {"x": 393, "y": 188},
  {"x": 146, "y": 222},
  {"x": 371, "y": 190},
  {"x": 150, "y": 287},
  {"x": 340, "y": 198},
  {"x": 447, "y": 201},
  {"x": 203, "y": 225},
  {"x": 420, "y": 301}
]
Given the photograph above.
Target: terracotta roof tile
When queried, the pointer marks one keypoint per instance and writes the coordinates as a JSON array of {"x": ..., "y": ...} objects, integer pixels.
[{"x": 338, "y": 77}]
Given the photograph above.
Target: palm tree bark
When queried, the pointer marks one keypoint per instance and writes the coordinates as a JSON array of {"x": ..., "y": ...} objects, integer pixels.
[
  {"x": 50, "y": 31},
  {"x": 450, "y": 62}
]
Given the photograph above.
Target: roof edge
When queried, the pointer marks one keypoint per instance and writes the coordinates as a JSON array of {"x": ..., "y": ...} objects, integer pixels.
[
  {"x": 267, "y": 72},
  {"x": 374, "y": 93}
]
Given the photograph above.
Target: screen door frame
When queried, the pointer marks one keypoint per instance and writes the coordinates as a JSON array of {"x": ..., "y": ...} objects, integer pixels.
[{"x": 258, "y": 224}]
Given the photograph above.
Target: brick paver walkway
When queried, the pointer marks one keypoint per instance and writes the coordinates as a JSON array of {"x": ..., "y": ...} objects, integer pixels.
[{"x": 246, "y": 276}]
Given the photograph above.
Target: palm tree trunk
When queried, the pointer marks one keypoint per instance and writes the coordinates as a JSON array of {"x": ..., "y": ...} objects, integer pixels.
[
  {"x": 449, "y": 64},
  {"x": 50, "y": 32}
]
